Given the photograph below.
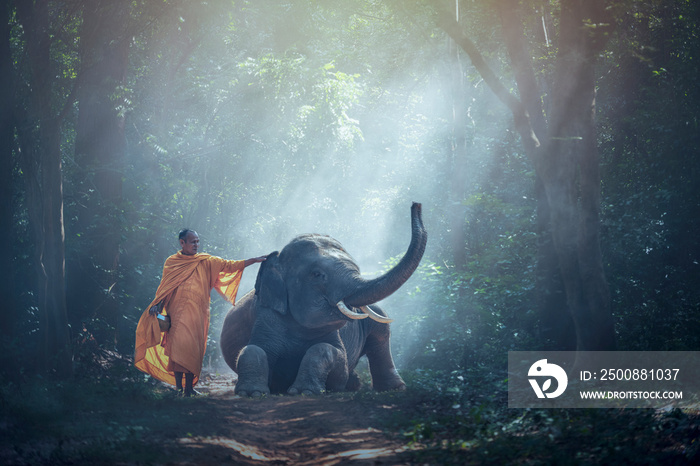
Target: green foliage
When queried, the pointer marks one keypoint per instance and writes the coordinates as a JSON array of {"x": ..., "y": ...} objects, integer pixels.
[
  {"x": 97, "y": 414},
  {"x": 650, "y": 144},
  {"x": 462, "y": 418},
  {"x": 450, "y": 318},
  {"x": 256, "y": 121},
  {"x": 464, "y": 318}
]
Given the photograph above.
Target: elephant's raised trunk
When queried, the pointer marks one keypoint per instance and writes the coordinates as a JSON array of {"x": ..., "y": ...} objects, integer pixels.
[{"x": 371, "y": 291}]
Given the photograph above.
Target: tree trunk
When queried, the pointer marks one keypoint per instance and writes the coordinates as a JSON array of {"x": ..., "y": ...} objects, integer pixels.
[
  {"x": 566, "y": 160},
  {"x": 100, "y": 149},
  {"x": 8, "y": 314},
  {"x": 459, "y": 158},
  {"x": 40, "y": 142},
  {"x": 556, "y": 324},
  {"x": 570, "y": 171}
]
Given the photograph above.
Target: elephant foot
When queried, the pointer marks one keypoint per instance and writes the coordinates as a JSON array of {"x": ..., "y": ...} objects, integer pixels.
[
  {"x": 251, "y": 390},
  {"x": 323, "y": 366},
  {"x": 390, "y": 382},
  {"x": 252, "y": 394},
  {"x": 252, "y": 373},
  {"x": 397, "y": 387},
  {"x": 305, "y": 391}
]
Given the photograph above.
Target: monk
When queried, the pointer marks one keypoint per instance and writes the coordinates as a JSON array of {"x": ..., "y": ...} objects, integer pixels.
[{"x": 184, "y": 294}]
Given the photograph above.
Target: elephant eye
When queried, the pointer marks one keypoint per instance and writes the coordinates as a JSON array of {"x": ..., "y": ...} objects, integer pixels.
[{"x": 317, "y": 274}]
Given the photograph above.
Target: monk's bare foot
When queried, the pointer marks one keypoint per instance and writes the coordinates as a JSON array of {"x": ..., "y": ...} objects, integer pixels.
[{"x": 191, "y": 392}]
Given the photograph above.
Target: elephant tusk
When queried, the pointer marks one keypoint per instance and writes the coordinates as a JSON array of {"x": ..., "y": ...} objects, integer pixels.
[
  {"x": 350, "y": 314},
  {"x": 375, "y": 316}
]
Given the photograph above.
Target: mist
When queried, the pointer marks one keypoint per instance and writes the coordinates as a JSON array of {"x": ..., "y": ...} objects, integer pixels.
[
  {"x": 255, "y": 122},
  {"x": 361, "y": 193}
]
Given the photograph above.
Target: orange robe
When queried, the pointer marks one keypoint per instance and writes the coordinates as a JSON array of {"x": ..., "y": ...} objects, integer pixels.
[{"x": 185, "y": 288}]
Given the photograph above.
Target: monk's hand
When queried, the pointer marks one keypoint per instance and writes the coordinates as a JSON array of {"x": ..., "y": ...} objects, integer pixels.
[
  {"x": 255, "y": 260},
  {"x": 156, "y": 309}
]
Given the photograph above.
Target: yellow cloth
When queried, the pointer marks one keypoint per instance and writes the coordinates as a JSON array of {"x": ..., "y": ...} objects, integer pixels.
[{"x": 185, "y": 288}]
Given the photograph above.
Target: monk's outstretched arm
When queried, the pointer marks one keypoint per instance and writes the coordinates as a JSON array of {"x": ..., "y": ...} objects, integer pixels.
[{"x": 254, "y": 260}]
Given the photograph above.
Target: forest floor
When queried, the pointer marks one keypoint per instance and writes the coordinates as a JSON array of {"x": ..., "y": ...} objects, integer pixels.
[
  {"x": 303, "y": 430},
  {"x": 216, "y": 427},
  {"x": 143, "y": 423}
]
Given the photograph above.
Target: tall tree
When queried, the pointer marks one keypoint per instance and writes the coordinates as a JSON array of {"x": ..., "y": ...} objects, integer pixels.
[
  {"x": 7, "y": 163},
  {"x": 458, "y": 152},
  {"x": 100, "y": 147},
  {"x": 564, "y": 154},
  {"x": 40, "y": 142},
  {"x": 556, "y": 323}
]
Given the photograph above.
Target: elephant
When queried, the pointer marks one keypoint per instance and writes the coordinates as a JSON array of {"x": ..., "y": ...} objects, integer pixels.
[{"x": 312, "y": 316}]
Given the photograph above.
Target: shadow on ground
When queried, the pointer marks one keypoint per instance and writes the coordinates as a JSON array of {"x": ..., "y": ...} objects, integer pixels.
[{"x": 214, "y": 428}]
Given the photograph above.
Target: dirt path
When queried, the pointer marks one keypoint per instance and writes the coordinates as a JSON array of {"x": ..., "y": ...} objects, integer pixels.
[
  {"x": 319, "y": 430},
  {"x": 104, "y": 423}
]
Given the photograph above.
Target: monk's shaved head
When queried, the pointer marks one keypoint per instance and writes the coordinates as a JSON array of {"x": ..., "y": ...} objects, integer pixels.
[
  {"x": 183, "y": 233},
  {"x": 189, "y": 241}
]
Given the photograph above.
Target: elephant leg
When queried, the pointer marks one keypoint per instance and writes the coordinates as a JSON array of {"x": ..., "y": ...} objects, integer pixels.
[
  {"x": 385, "y": 377},
  {"x": 323, "y": 366},
  {"x": 354, "y": 382},
  {"x": 253, "y": 372}
]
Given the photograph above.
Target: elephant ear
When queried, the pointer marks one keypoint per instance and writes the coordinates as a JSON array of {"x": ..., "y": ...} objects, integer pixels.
[{"x": 269, "y": 285}]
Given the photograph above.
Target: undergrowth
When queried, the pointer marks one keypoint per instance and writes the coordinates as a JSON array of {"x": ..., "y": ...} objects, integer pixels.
[
  {"x": 463, "y": 418},
  {"x": 80, "y": 420},
  {"x": 458, "y": 417}
]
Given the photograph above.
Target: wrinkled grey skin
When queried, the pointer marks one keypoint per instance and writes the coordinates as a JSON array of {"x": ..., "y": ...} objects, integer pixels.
[{"x": 288, "y": 336}]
